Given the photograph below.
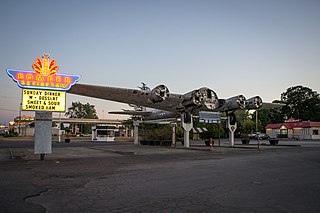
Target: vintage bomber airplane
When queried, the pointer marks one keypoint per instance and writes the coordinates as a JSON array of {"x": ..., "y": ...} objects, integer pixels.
[{"x": 169, "y": 104}]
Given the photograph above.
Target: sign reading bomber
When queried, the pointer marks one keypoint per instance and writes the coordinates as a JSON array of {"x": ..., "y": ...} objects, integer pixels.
[
  {"x": 43, "y": 100},
  {"x": 43, "y": 89},
  {"x": 43, "y": 76},
  {"x": 44, "y": 92}
]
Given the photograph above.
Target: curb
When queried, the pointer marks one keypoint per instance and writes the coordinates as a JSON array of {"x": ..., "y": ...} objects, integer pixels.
[{"x": 17, "y": 153}]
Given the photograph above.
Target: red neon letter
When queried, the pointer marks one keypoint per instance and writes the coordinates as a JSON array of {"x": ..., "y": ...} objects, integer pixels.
[
  {"x": 29, "y": 77},
  {"x": 49, "y": 78},
  {"x": 58, "y": 79},
  {"x": 20, "y": 76},
  {"x": 67, "y": 80},
  {"x": 39, "y": 78}
]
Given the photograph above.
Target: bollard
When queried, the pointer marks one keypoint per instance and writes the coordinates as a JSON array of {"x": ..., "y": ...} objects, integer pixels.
[{"x": 42, "y": 156}]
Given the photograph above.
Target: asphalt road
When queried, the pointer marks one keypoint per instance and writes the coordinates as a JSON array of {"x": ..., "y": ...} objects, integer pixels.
[{"x": 121, "y": 177}]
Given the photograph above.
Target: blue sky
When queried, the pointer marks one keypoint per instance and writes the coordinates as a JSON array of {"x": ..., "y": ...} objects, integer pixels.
[{"x": 249, "y": 47}]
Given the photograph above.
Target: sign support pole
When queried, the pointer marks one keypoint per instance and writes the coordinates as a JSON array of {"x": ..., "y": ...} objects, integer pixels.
[
  {"x": 59, "y": 129},
  {"x": 43, "y": 133},
  {"x": 232, "y": 129},
  {"x": 186, "y": 129},
  {"x": 136, "y": 132},
  {"x": 173, "y": 125}
]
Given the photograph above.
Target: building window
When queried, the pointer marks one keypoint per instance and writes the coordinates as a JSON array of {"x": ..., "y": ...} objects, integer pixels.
[
  {"x": 315, "y": 132},
  {"x": 283, "y": 132}
]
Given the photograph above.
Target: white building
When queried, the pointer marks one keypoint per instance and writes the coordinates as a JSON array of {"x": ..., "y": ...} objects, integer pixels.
[{"x": 295, "y": 130}]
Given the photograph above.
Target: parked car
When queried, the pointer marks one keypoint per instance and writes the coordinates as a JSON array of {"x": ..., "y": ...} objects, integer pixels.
[
  {"x": 252, "y": 135},
  {"x": 80, "y": 134},
  {"x": 77, "y": 134},
  {"x": 2, "y": 132},
  {"x": 258, "y": 135},
  {"x": 261, "y": 136}
]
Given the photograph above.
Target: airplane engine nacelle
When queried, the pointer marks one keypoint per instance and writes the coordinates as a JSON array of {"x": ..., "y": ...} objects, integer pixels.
[
  {"x": 234, "y": 103},
  {"x": 254, "y": 103},
  {"x": 192, "y": 99},
  {"x": 201, "y": 97},
  {"x": 159, "y": 93},
  {"x": 209, "y": 98}
]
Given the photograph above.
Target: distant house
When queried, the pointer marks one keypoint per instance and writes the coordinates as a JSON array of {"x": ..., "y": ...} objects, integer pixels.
[{"x": 295, "y": 129}]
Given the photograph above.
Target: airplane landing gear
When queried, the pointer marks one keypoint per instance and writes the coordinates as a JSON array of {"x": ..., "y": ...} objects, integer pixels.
[
  {"x": 232, "y": 126},
  {"x": 187, "y": 125},
  {"x": 187, "y": 117}
]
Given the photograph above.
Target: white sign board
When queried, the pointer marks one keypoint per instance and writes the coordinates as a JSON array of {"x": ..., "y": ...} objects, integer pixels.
[
  {"x": 43, "y": 100},
  {"x": 209, "y": 117},
  {"x": 43, "y": 132}
]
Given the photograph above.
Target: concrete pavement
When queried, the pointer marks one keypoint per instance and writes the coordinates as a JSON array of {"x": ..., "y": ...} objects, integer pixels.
[{"x": 120, "y": 177}]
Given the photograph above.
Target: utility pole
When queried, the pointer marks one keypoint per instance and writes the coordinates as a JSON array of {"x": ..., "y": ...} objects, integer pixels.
[
  {"x": 19, "y": 118},
  {"x": 257, "y": 120}
]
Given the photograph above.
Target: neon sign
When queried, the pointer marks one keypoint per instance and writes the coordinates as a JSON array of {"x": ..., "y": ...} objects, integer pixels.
[{"x": 43, "y": 76}]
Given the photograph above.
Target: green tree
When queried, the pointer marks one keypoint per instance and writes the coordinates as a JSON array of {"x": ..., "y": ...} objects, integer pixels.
[
  {"x": 276, "y": 115},
  {"x": 264, "y": 118},
  {"x": 79, "y": 110},
  {"x": 245, "y": 124},
  {"x": 302, "y": 103},
  {"x": 213, "y": 131},
  {"x": 155, "y": 132}
]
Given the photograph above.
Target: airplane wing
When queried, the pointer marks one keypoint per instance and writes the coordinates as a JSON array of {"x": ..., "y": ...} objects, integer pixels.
[
  {"x": 157, "y": 98},
  {"x": 266, "y": 105},
  {"x": 203, "y": 99},
  {"x": 131, "y": 112},
  {"x": 152, "y": 99},
  {"x": 162, "y": 121}
]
